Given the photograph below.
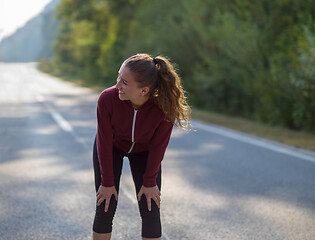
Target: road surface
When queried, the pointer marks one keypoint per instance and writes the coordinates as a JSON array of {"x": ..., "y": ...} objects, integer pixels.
[{"x": 217, "y": 183}]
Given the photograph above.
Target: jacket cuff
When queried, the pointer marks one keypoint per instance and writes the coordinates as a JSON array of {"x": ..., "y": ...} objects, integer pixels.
[
  {"x": 108, "y": 182},
  {"x": 149, "y": 182}
]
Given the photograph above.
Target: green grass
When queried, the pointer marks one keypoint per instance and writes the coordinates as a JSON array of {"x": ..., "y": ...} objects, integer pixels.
[{"x": 297, "y": 139}]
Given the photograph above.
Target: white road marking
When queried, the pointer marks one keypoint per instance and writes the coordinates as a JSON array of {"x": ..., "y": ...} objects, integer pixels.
[
  {"x": 63, "y": 123},
  {"x": 59, "y": 119},
  {"x": 288, "y": 150}
]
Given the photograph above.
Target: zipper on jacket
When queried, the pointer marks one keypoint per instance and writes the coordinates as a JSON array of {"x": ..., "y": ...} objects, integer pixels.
[{"x": 133, "y": 130}]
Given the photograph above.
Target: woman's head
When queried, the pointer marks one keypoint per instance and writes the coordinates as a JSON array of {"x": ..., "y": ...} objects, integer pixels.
[
  {"x": 129, "y": 88},
  {"x": 144, "y": 70},
  {"x": 157, "y": 79}
]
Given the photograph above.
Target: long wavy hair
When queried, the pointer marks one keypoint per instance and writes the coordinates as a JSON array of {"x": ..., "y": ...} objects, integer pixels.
[{"x": 165, "y": 86}]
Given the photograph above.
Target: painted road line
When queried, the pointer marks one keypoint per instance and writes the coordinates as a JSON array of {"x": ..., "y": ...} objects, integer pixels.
[
  {"x": 63, "y": 123},
  {"x": 60, "y": 120},
  {"x": 288, "y": 150},
  {"x": 66, "y": 126}
]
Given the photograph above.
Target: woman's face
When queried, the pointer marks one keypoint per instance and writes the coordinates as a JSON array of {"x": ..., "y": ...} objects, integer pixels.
[{"x": 128, "y": 87}]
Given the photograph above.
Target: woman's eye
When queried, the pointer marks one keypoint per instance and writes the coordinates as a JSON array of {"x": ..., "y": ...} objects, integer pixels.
[{"x": 123, "y": 81}]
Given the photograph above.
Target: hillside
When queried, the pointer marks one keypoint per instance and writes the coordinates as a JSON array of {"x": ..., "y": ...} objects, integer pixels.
[{"x": 32, "y": 41}]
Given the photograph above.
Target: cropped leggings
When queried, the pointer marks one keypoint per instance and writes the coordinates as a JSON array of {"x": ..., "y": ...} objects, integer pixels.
[{"x": 103, "y": 221}]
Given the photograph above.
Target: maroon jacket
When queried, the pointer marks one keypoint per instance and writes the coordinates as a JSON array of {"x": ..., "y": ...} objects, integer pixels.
[{"x": 130, "y": 130}]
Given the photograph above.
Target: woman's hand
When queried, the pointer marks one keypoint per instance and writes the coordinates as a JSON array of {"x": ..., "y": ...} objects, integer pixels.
[
  {"x": 105, "y": 193},
  {"x": 150, "y": 193}
]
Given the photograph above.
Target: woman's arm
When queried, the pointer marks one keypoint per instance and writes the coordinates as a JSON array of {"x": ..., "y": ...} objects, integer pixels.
[
  {"x": 158, "y": 145},
  {"x": 157, "y": 149},
  {"x": 104, "y": 140}
]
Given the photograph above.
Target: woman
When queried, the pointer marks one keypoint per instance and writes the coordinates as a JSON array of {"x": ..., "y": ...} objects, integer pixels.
[{"x": 135, "y": 119}]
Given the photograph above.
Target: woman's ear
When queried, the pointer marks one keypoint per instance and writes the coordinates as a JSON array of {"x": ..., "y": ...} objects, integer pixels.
[{"x": 145, "y": 91}]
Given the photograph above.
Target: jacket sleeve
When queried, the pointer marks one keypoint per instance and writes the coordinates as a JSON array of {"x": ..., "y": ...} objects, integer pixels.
[
  {"x": 105, "y": 140},
  {"x": 158, "y": 145}
]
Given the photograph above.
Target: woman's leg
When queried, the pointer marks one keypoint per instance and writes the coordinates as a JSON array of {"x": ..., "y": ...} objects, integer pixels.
[
  {"x": 151, "y": 223},
  {"x": 103, "y": 221}
]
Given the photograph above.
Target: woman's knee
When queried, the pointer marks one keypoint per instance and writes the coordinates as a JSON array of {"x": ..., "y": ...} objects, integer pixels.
[
  {"x": 103, "y": 221},
  {"x": 151, "y": 221}
]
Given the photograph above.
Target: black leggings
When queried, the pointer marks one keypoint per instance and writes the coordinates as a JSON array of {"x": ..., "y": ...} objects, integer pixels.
[{"x": 103, "y": 221}]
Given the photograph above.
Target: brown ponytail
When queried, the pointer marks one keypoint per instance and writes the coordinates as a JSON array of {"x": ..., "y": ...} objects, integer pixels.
[{"x": 165, "y": 86}]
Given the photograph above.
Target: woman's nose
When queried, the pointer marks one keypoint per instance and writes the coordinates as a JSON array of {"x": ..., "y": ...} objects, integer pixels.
[{"x": 118, "y": 83}]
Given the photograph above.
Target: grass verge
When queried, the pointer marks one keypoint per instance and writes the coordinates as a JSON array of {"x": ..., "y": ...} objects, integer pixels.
[{"x": 297, "y": 139}]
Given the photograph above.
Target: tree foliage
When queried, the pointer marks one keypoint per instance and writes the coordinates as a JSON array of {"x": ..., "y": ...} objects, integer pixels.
[{"x": 249, "y": 58}]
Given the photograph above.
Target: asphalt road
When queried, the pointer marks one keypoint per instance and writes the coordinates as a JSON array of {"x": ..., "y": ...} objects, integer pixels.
[{"x": 217, "y": 183}]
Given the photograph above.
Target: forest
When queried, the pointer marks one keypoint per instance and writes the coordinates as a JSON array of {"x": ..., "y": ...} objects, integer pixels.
[{"x": 253, "y": 59}]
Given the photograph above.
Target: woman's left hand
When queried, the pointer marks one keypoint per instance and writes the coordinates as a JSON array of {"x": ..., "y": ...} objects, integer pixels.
[{"x": 150, "y": 193}]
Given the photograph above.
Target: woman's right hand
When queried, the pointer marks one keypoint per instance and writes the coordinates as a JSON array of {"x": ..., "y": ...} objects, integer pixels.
[{"x": 105, "y": 193}]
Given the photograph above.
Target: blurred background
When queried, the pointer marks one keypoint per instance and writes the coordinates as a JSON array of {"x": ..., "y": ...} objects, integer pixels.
[{"x": 253, "y": 59}]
